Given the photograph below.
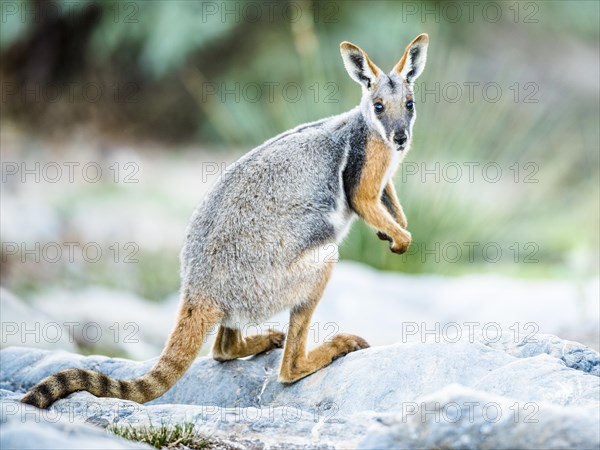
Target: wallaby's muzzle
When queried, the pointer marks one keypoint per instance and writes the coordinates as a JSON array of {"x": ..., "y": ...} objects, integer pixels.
[{"x": 400, "y": 139}]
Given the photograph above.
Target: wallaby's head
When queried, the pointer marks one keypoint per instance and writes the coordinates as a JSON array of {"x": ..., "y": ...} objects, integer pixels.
[{"x": 387, "y": 102}]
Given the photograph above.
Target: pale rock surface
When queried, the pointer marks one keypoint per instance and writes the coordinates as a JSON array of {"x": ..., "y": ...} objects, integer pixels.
[{"x": 478, "y": 392}]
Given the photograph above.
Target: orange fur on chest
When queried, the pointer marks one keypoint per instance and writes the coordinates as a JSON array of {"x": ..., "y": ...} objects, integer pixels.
[{"x": 375, "y": 167}]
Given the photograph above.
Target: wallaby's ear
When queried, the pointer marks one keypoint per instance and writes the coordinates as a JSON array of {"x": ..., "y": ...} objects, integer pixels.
[
  {"x": 358, "y": 65},
  {"x": 412, "y": 63}
]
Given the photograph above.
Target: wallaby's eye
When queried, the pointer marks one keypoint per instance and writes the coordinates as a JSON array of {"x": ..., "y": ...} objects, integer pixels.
[
  {"x": 410, "y": 105},
  {"x": 378, "y": 107}
]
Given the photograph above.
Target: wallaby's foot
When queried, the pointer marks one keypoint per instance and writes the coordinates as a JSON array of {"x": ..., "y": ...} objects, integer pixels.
[
  {"x": 346, "y": 343},
  {"x": 276, "y": 337},
  {"x": 340, "y": 345},
  {"x": 231, "y": 345}
]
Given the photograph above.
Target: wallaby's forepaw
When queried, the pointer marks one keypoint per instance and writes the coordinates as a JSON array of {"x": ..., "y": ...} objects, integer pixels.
[
  {"x": 348, "y": 343},
  {"x": 401, "y": 245}
]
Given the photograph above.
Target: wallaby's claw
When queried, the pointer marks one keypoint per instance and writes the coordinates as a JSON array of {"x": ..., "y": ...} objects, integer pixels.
[{"x": 384, "y": 237}]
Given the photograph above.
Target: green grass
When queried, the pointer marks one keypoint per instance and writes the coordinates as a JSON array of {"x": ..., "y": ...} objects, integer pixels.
[{"x": 163, "y": 436}]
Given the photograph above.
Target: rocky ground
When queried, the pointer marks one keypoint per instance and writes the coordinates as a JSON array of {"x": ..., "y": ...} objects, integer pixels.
[
  {"x": 477, "y": 392},
  {"x": 463, "y": 362}
]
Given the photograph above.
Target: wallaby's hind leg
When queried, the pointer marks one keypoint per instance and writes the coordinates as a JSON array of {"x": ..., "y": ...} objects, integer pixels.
[
  {"x": 296, "y": 363},
  {"x": 230, "y": 344}
]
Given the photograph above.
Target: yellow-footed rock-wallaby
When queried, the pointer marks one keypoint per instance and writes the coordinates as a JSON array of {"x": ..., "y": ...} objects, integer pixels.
[{"x": 253, "y": 245}]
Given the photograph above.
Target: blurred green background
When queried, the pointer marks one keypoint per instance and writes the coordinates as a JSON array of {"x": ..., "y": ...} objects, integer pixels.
[{"x": 508, "y": 85}]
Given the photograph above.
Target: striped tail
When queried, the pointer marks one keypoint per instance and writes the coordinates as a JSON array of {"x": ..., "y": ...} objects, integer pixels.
[{"x": 181, "y": 349}]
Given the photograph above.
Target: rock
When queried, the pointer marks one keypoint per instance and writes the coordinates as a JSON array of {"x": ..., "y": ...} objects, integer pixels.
[
  {"x": 25, "y": 427},
  {"x": 573, "y": 354},
  {"x": 458, "y": 417},
  {"x": 412, "y": 394}
]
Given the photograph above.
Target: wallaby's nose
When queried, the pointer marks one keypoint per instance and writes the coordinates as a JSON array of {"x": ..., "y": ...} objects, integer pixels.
[{"x": 400, "y": 138}]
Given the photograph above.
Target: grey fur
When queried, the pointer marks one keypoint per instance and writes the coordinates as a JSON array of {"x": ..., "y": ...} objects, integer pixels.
[{"x": 261, "y": 234}]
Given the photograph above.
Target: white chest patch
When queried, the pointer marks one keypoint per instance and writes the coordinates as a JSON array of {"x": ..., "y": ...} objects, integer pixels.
[{"x": 397, "y": 157}]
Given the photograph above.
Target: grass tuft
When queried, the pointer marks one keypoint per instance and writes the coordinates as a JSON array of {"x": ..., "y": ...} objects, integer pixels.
[{"x": 163, "y": 436}]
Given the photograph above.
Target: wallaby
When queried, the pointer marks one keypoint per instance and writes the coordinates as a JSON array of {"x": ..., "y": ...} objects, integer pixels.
[{"x": 255, "y": 245}]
